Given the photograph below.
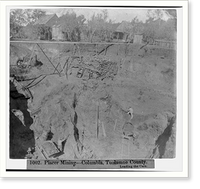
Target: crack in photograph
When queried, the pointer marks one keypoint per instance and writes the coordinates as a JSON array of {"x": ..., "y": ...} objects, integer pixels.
[{"x": 92, "y": 83}]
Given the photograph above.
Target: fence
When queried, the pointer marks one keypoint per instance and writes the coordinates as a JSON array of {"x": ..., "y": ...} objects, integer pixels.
[{"x": 165, "y": 44}]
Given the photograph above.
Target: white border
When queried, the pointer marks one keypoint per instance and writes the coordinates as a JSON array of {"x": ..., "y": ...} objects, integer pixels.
[{"x": 182, "y": 95}]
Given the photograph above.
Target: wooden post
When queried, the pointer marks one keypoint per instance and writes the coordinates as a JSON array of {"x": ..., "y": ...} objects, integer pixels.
[
  {"x": 31, "y": 54},
  {"x": 121, "y": 148},
  {"x": 118, "y": 48},
  {"x": 97, "y": 121},
  {"x": 128, "y": 148},
  {"x": 125, "y": 149},
  {"x": 74, "y": 49},
  {"x": 118, "y": 37},
  {"x": 115, "y": 124},
  {"x": 67, "y": 68},
  {"x": 103, "y": 129},
  {"x": 96, "y": 49},
  {"x": 79, "y": 52}
]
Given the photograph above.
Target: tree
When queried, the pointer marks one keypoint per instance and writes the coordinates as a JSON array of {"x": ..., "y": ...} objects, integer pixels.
[
  {"x": 24, "y": 17},
  {"x": 99, "y": 27},
  {"x": 20, "y": 18},
  {"x": 138, "y": 26},
  {"x": 167, "y": 30},
  {"x": 173, "y": 14},
  {"x": 155, "y": 14},
  {"x": 156, "y": 27},
  {"x": 95, "y": 25},
  {"x": 72, "y": 25}
]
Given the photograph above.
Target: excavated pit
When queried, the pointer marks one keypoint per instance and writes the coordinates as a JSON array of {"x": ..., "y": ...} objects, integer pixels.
[{"x": 83, "y": 113}]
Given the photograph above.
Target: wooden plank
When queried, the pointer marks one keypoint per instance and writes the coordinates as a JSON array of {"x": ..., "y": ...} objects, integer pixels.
[
  {"x": 115, "y": 125},
  {"x": 103, "y": 129},
  {"x": 67, "y": 42}
]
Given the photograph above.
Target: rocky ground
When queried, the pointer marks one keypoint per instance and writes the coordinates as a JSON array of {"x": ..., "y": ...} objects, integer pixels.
[{"x": 82, "y": 112}]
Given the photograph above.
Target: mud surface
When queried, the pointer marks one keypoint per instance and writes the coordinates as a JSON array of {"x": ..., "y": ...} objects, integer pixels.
[{"x": 82, "y": 112}]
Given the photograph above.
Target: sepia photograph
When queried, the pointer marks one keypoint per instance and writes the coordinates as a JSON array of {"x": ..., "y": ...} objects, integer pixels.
[{"x": 94, "y": 87}]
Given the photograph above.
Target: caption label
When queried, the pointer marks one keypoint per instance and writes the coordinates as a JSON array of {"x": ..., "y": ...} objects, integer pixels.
[{"x": 90, "y": 164}]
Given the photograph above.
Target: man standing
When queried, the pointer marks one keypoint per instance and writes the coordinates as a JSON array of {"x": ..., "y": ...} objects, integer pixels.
[{"x": 130, "y": 112}]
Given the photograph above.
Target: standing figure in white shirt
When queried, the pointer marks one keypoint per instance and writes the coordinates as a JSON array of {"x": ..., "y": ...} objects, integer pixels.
[{"x": 130, "y": 112}]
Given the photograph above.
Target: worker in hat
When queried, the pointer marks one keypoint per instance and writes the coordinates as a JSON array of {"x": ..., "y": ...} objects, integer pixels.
[{"x": 130, "y": 112}]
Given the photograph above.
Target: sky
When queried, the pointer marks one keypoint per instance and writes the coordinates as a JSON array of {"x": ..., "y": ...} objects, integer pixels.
[{"x": 116, "y": 15}]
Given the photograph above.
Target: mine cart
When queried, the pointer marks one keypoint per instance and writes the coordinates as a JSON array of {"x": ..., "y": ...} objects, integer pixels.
[{"x": 49, "y": 150}]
